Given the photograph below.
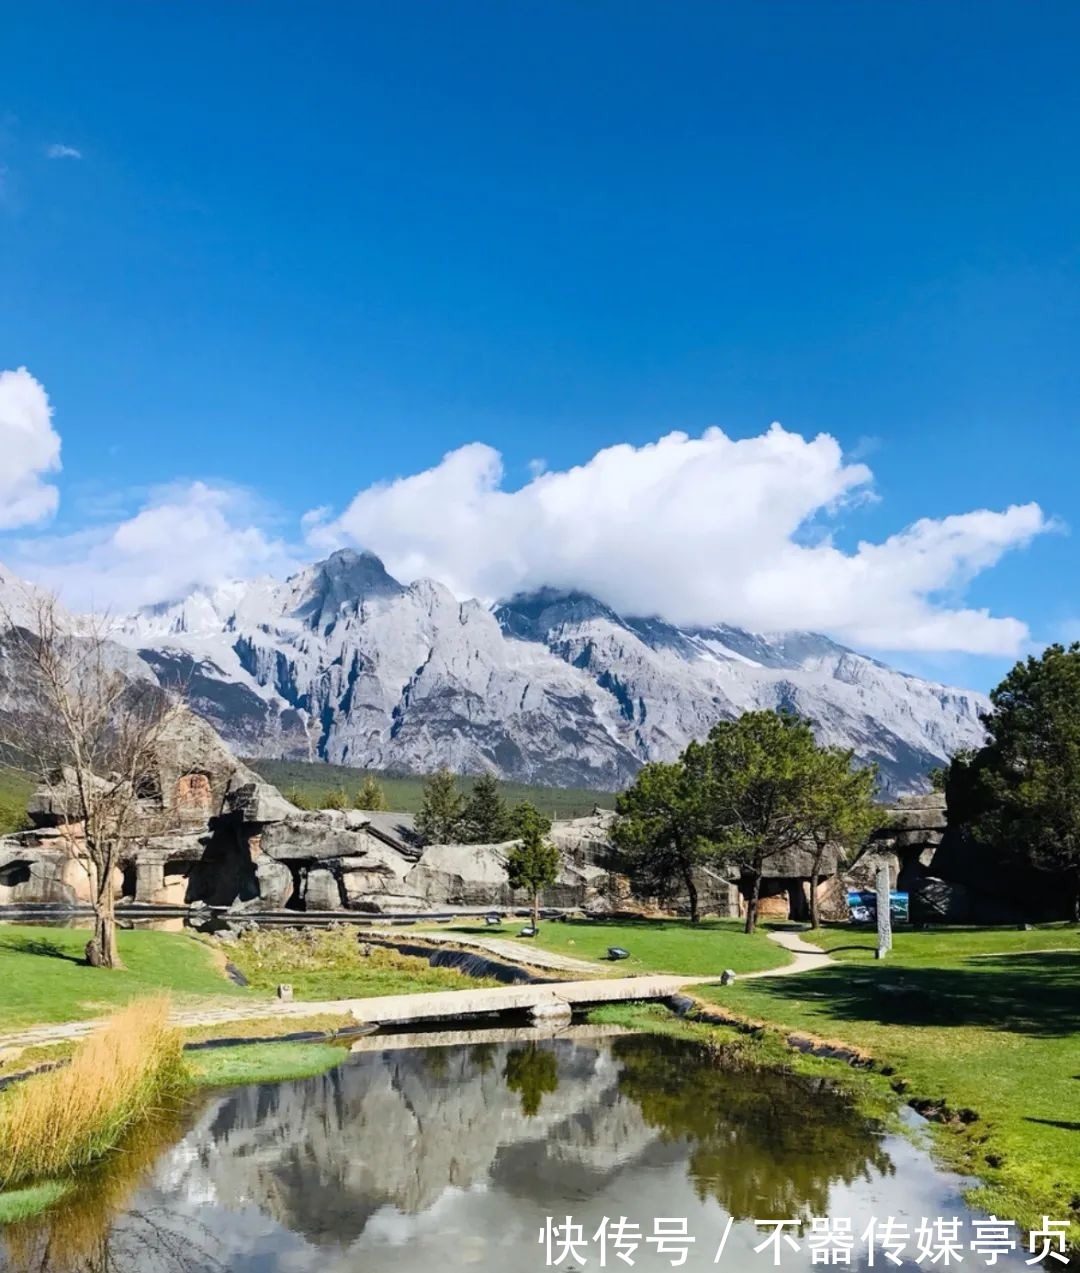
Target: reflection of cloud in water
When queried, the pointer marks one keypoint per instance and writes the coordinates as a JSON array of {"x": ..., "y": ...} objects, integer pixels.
[{"x": 396, "y": 1165}]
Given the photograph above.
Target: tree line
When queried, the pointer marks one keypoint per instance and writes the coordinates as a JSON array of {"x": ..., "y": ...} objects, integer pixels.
[{"x": 370, "y": 796}]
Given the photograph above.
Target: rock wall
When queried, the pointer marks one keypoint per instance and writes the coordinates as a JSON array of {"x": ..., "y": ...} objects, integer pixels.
[{"x": 210, "y": 831}]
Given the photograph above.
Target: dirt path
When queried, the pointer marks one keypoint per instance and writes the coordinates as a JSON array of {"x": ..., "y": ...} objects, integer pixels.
[{"x": 444, "y": 1004}]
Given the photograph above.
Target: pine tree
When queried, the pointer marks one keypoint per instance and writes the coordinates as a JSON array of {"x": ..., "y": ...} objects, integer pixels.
[
  {"x": 371, "y": 796},
  {"x": 335, "y": 799},
  {"x": 533, "y": 863},
  {"x": 485, "y": 820},
  {"x": 439, "y": 819}
]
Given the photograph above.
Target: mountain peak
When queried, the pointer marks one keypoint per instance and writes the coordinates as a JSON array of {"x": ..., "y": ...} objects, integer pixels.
[
  {"x": 343, "y": 579},
  {"x": 530, "y": 616}
]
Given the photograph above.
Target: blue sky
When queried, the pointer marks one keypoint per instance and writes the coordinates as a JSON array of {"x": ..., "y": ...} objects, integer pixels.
[{"x": 304, "y": 249}]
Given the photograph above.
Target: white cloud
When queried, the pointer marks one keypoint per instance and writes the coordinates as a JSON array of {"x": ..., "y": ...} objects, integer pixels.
[
  {"x": 699, "y": 530},
  {"x": 29, "y": 448},
  {"x": 59, "y": 151},
  {"x": 189, "y": 536}
]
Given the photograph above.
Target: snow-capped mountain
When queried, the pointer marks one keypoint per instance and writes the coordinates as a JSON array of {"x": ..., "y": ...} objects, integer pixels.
[{"x": 343, "y": 663}]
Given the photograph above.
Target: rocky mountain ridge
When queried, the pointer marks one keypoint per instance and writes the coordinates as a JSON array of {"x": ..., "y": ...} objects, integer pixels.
[{"x": 342, "y": 662}]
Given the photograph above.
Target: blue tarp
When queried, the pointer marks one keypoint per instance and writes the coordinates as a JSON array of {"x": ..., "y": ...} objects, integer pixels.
[{"x": 863, "y": 907}]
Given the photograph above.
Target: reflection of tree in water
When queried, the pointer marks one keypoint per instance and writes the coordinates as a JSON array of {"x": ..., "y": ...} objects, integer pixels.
[
  {"x": 482, "y": 1055},
  {"x": 763, "y": 1143},
  {"x": 77, "y": 1235},
  {"x": 436, "y": 1062},
  {"x": 532, "y": 1072}
]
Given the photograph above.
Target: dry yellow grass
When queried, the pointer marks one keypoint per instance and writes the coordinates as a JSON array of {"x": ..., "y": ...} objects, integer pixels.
[{"x": 54, "y": 1124}]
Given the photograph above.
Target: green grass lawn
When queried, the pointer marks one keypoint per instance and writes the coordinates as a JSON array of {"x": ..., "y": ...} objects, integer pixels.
[
  {"x": 932, "y": 945},
  {"x": 655, "y": 945},
  {"x": 985, "y": 1023},
  {"x": 404, "y": 792},
  {"x": 44, "y": 977}
]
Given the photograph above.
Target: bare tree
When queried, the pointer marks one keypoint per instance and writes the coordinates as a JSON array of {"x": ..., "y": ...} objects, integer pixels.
[{"x": 87, "y": 728}]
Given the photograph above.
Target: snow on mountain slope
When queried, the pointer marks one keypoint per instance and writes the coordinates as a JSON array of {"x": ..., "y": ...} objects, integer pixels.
[{"x": 342, "y": 662}]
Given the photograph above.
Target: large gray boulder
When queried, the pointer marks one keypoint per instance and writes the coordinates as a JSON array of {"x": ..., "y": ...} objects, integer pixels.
[
  {"x": 275, "y": 882},
  {"x": 316, "y": 835},
  {"x": 260, "y": 802},
  {"x": 322, "y": 892}
]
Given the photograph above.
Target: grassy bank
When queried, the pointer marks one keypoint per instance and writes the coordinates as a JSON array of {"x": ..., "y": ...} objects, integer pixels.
[
  {"x": 45, "y": 978},
  {"x": 331, "y": 963},
  {"x": 982, "y": 1026},
  {"x": 655, "y": 945},
  {"x": 20, "y": 1204},
  {"x": 122, "y": 1088},
  {"x": 263, "y": 1063},
  {"x": 58, "y": 1123},
  {"x": 404, "y": 793},
  {"x": 761, "y": 1050}
]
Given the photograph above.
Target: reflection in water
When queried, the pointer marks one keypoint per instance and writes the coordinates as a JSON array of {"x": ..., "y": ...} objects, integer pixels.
[
  {"x": 760, "y": 1144},
  {"x": 404, "y": 1158},
  {"x": 78, "y": 1234},
  {"x": 531, "y": 1072}
]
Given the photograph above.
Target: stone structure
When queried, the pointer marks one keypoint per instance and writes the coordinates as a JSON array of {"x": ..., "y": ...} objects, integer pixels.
[
  {"x": 947, "y": 876},
  {"x": 209, "y": 831}
]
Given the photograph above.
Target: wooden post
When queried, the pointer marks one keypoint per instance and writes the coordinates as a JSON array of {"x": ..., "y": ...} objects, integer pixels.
[{"x": 884, "y": 911}]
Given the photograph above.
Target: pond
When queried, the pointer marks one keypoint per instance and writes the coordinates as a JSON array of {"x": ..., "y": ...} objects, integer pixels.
[{"x": 419, "y": 1159}]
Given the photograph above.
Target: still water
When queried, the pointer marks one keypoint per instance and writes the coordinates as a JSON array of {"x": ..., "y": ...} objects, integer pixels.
[{"x": 420, "y": 1160}]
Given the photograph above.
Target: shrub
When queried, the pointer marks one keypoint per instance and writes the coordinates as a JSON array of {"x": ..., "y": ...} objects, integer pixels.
[{"x": 300, "y": 798}]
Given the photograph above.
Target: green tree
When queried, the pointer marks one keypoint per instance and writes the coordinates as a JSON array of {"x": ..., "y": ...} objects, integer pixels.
[
  {"x": 524, "y": 815},
  {"x": 439, "y": 819},
  {"x": 936, "y": 778},
  {"x": 335, "y": 798},
  {"x": 532, "y": 1072},
  {"x": 371, "y": 796},
  {"x": 760, "y": 775},
  {"x": 658, "y": 836},
  {"x": 299, "y": 797},
  {"x": 533, "y": 863},
  {"x": 1019, "y": 795},
  {"x": 485, "y": 820},
  {"x": 842, "y": 814}
]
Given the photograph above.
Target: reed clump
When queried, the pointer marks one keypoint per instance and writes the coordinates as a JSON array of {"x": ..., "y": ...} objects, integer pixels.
[{"x": 56, "y": 1124}]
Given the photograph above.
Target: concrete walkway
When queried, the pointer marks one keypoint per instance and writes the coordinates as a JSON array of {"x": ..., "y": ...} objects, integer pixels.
[
  {"x": 517, "y": 952},
  {"x": 444, "y": 1004},
  {"x": 808, "y": 957}
]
